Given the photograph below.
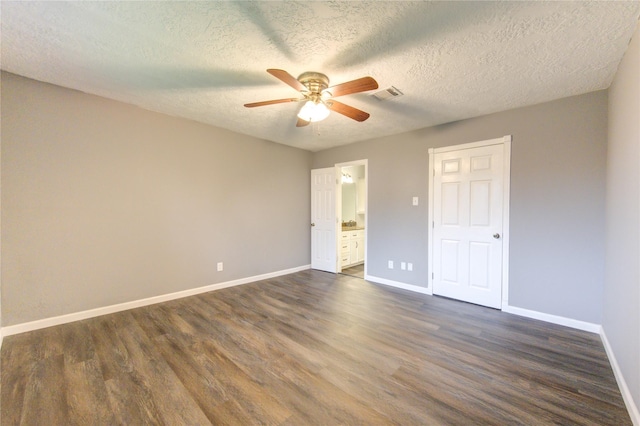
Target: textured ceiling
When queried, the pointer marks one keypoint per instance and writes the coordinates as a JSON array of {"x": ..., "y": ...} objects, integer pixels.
[{"x": 204, "y": 60}]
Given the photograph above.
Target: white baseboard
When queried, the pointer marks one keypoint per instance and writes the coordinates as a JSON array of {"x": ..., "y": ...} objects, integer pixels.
[
  {"x": 91, "y": 313},
  {"x": 632, "y": 408},
  {"x": 398, "y": 284},
  {"x": 554, "y": 319}
]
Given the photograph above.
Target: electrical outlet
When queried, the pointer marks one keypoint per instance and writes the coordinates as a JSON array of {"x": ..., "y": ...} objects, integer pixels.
[
  {"x": 390, "y": 264},
  {"x": 403, "y": 266},
  {"x": 220, "y": 266},
  {"x": 410, "y": 266}
]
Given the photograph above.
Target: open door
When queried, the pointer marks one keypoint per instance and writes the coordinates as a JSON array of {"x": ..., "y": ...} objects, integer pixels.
[{"x": 323, "y": 220}]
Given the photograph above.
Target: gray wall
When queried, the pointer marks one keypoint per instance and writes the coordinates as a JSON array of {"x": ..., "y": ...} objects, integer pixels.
[
  {"x": 621, "y": 317},
  {"x": 0, "y": 223},
  {"x": 104, "y": 203},
  {"x": 557, "y": 200}
]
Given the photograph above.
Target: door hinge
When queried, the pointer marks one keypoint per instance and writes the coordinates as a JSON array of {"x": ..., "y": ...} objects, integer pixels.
[
  {"x": 432, "y": 277},
  {"x": 433, "y": 224}
]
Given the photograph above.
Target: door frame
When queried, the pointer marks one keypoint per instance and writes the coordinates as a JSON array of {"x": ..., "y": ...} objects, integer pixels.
[
  {"x": 339, "y": 167},
  {"x": 506, "y": 174}
]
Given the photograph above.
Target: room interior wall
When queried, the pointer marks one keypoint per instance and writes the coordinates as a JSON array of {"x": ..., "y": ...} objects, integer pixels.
[
  {"x": 1, "y": 336},
  {"x": 106, "y": 203},
  {"x": 557, "y": 200},
  {"x": 621, "y": 315}
]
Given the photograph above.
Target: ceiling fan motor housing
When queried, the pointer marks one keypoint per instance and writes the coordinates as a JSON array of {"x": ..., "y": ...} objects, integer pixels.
[{"x": 314, "y": 81}]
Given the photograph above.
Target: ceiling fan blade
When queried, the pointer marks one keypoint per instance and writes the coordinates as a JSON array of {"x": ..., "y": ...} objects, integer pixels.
[
  {"x": 302, "y": 123},
  {"x": 354, "y": 86},
  {"x": 347, "y": 110},
  {"x": 275, "y": 101},
  {"x": 287, "y": 78}
]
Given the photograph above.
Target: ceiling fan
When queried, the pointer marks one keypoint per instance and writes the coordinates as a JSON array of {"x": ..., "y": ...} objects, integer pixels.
[{"x": 319, "y": 97}]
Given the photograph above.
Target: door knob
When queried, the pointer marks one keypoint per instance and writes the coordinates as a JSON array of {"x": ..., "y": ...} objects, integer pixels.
[
  {"x": 496, "y": 236},
  {"x": 313, "y": 224}
]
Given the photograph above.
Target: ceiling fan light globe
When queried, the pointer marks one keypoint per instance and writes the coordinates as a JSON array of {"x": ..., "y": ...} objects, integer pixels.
[{"x": 312, "y": 111}]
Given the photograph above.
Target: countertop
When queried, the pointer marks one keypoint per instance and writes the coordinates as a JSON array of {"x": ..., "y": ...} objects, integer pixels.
[{"x": 352, "y": 228}]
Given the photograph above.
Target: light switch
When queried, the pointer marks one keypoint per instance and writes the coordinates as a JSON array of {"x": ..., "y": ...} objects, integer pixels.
[{"x": 415, "y": 201}]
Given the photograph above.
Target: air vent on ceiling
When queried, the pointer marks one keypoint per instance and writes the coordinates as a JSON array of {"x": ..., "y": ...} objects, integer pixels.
[{"x": 388, "y": 93}]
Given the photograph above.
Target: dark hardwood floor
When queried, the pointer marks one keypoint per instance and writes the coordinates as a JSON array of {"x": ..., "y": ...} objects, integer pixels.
[
  {"x": 355, "y": 271},
  {"x": 309, "y": 348}
]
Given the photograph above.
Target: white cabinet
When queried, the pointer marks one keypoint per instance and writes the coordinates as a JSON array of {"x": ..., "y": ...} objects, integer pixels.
[
  {"x": 360, "y": 247},
  {"x": 352, "y": 247},
  {"x": 345, "y": 249}
]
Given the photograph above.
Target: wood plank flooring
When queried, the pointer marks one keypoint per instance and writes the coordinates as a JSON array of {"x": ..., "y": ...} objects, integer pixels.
[
  {"x": 310, "y": 348},
  {"x": 355, "y": 271}
]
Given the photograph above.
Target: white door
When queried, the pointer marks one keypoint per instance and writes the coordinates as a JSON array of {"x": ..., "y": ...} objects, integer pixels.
[
  {"x": 467, "y": 224},
  {"x": 323, "y": 220}
]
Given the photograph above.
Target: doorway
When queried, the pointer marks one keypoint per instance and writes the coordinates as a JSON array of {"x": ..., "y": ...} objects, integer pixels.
[
  {"x": 352, "y": 214},
  {"x": 469, "y": 200},
  {"x": 339, "y": 237}
]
